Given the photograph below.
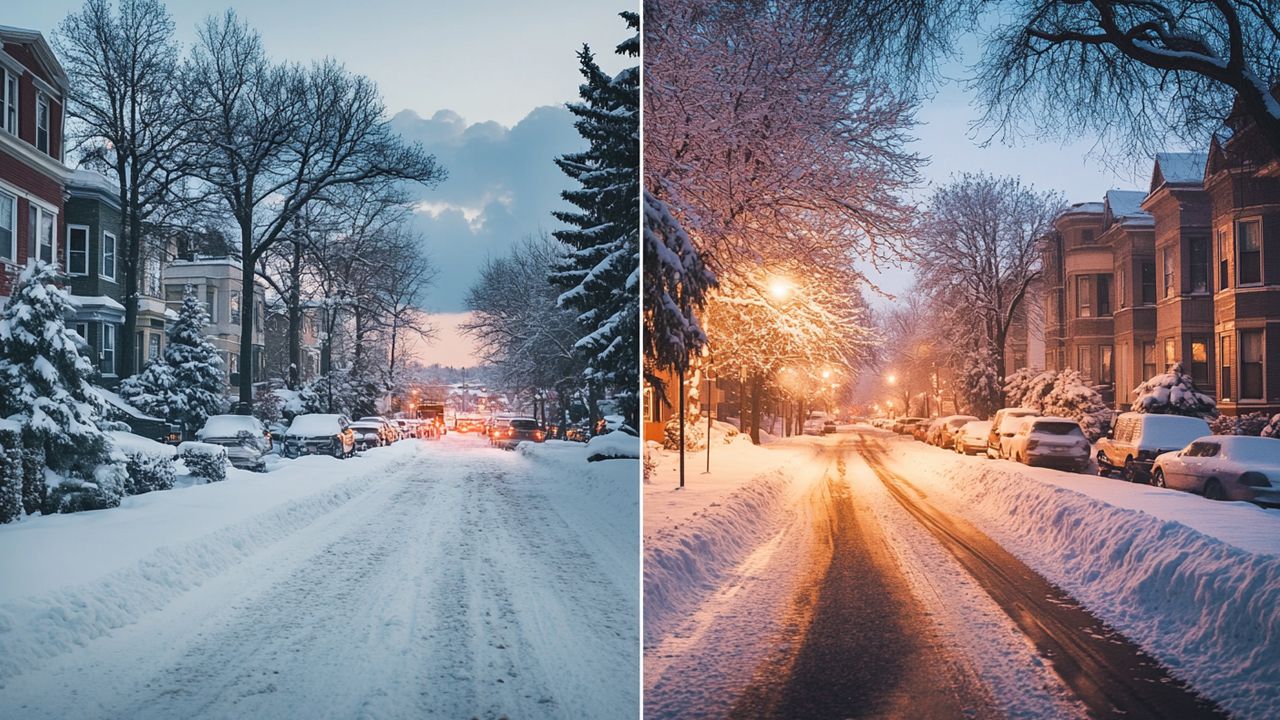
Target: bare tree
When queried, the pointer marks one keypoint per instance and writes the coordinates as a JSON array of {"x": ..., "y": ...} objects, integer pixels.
[
  {"x": 1136, "y": 71},
  {"x": 269, "y": 139},
  {"x": 978, "y": 254},
  {"x": 127, "y": 120}
]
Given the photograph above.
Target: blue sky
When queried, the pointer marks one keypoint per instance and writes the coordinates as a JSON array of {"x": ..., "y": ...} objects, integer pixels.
[{"x": 481, "y": 83}]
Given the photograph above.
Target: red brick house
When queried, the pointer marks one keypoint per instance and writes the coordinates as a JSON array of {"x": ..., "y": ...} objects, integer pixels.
[
  {"x": 33, "y": 88},
  {"x": 1242, "y": 179}
]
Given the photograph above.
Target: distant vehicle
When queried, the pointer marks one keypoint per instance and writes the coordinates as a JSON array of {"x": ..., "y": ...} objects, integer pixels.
[
  {"x": 1003, "y": 427},
  {"x": 518, "y": 430},
  {"x": 320, "y": 434},
  {"x": 1051, "y": 441},
  {"x": 971, "y": 438},
  {"x": 1137, "y": 438},
  {"x": 246, "y": 439},
  {"x": 829, "y": 427},
  {"x": 947, "y": 427},
  {"x": 1224, "y": 467},
  {"x": 469, "y": 424},
  {"x": 369, "y": 434},
  {"x": 903, "y": 426},
  {"x": 390, "y": 430},
  {"x": 433, "y": 413},
  {"x": 498, "y": 428}
]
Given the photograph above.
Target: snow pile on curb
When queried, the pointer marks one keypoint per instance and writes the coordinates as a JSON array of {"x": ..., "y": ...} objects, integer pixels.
[
  {"x": 86, "y": 601},
  {"x": 1206, "y": 608},
  {"x": 685, "y": 563},
  {"x": 616, "y": 445}
]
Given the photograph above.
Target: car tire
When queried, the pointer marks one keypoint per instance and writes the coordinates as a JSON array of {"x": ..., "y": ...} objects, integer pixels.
[
  {"x": 1213, "y": 490},
  {"x": 1104, "y": 468},
  {"x": 1130, "y": 472},
  {"x": 1157, "y": 478}
]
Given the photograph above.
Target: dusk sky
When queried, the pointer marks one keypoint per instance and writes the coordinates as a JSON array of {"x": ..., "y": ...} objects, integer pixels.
[{"x": 481, "y": 83}]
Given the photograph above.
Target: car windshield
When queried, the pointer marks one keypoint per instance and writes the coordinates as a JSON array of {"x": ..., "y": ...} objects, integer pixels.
[
  {"x": 230, "y": 426},
  {"x": 1057, "y": 428},
  {"x": 524, "y": 424},
  {"x": 1259, "y": 450}
]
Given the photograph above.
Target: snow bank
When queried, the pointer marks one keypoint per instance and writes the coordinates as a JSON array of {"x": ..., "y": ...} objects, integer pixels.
[
  {"x": 695, "y": 535},
  {"x": 616, "y": 445},
  {"x": 1197, "y": 584},
  {"x": 70, "y": 578},
  {"x": 136, "y": 444}
]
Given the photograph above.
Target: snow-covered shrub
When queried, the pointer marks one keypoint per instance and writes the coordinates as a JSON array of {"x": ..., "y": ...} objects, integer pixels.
[
  {"x": 1027, "y": 388},
  {"x": 1071, "y": 397},
  {"x": 980, "y": 384},
  {"x": 185, "y": 384},
  {"x": 148, "y": 463},
  {"x": 10, "y": 472},
  {"x": 650, "y": 461},
  {"x": 695, "y": 435},
  {"x": 34, "y": 488},
  {"x": 1173, "y": 393},
  {"x": 44, "y": 380},
  {"x": 204, "y": 460},
  {"x": 340, "y": 391},
  {"x": 1272, "y": 430},
  {"x": 1248, "y": 424},
  {"x": 73, "y": 494}
]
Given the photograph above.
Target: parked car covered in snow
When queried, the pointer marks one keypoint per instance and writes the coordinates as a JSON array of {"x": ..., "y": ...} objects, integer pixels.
[
  {"x": 971, "y": 438},
  {"x": 320, "y": 434},
  {"x": 1004, "y": 426},
  {"x": 245, "y": 438},
  {"x": 903, "y": 426},
  {"x": 1137, "y": 439},
  {"x": 390, "y": 431},
  {"x": 1050, "y": 441},
  {"x": 1224, "y": 467},
  {"x": 941, "y": 435},
  {"x": 370, "y": 434},
  {"x": 516, "y": 431},
  {"x": 829, "y": 427}
]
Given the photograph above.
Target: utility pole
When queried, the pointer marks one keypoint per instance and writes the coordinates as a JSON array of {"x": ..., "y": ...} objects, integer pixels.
[{"x": 680, "y": 416}]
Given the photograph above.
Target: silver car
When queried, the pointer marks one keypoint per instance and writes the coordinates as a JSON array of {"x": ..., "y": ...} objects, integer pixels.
[
  {"x": 1224, "y": 467},
  {"x": 246, "y": 439}
]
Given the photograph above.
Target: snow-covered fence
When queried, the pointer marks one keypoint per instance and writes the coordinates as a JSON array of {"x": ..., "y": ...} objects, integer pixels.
[
  {"x": 148, "y": 463},
  {"x": 204, "y": 460}
]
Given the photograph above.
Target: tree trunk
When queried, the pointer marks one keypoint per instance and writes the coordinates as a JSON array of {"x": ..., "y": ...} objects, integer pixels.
[
  {"x": 131, "y": 235},
  {"x": 757, "y": 384},
  {"x": 246, "y": 321},
  {"x": 294, "y": 308}
]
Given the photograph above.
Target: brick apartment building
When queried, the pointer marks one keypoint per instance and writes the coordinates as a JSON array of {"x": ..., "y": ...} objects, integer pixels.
[
  {"x": 33, "y": 176},
  {"x": 1188, "y": 272}
]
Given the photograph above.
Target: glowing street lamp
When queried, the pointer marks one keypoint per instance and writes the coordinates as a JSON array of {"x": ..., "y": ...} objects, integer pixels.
[{"x": 891, "y": 378}]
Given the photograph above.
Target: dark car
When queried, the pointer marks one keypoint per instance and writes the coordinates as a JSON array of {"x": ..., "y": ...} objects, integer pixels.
[{"x": 518, "y": 430}]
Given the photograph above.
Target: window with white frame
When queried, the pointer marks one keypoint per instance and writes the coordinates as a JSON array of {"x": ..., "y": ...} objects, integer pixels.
[
  {"x": 42, "y": 226},
  {"x": 8, "y": 227},
  {"x": 108, "y": 366},
  {"x": 108, "y": 256},
  {"x": 42, "y": 123},
  {"x": 77, "y": 250},
  {"x": 153, "y": 346},
  {"x": 9, "y": 102}
]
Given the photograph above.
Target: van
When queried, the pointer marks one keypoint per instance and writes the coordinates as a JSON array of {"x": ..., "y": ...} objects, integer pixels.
[{"x": 1137, "y": 438}]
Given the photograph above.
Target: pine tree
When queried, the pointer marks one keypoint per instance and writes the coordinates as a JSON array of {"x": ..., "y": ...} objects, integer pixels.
[
  {"x": 10, "y": 472},
  {"x": 676, "y": 284},
  {"x": 601, "y": 273},
  {"x": 185, "y": 385},
  {"x": 1173, "y": 393},
  {"x": 45, "y": 389}
]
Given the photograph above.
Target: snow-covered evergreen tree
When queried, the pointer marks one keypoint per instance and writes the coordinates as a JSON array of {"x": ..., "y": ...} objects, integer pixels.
[
  {"x": 601, "y": 273},
  {"x": 676, "y": 283},
  {"x": 1173, "y": 393},
  {"x": 185, "y": 384},
  {"x": 1070, "y": 396},
  {"x": 10, "y": 472},
  {"x": 44, "y": 380},
  {"x": 1250, "y": 424},
  {"x": 980, "y": 383},
  {"x": 1027, "y": 388},
  {"x": 341, "y": 391}
]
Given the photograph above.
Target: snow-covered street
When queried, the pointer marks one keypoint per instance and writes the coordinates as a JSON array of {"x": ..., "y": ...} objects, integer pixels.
[
  {"x": 866, "y": 575},
  {"x": 433, "y": 579}
]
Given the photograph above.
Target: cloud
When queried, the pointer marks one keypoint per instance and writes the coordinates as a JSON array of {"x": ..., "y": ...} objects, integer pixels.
[{"x": 503, "y": 184}]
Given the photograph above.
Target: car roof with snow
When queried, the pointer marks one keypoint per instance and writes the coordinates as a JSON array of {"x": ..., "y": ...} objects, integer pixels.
[
  {"x": 315, "y": 424},
  {"x": 229, "y": 425},
  {"x": 1051, "y": 419},
  {"x": 1246, "y": 448}
]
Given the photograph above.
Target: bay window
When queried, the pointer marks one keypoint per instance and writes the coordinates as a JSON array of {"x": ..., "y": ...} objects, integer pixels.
[
  {"x": 1199, "y": 265},
  {"x": 9, "y": 102},
  {"x": 108, "y": 256},
  {"x": 1251, "y": 365},
  {"x": 77, "y": 250},
  {"x": 8, "y": 227},
  {"x": 1249, "y": 237},
  {"x": 42, "y": 123}
]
